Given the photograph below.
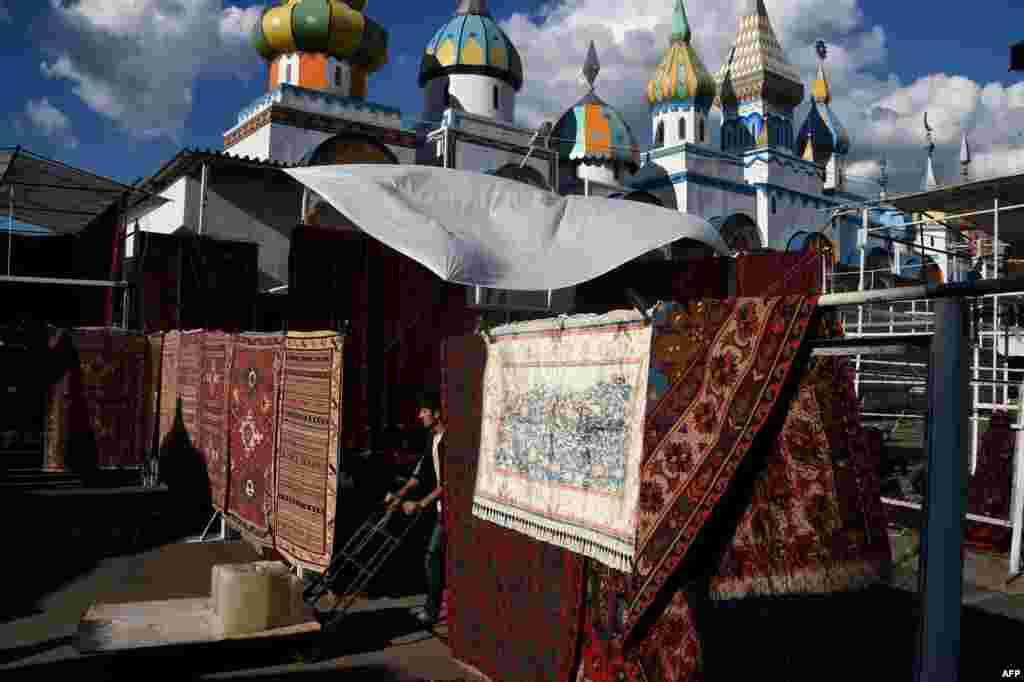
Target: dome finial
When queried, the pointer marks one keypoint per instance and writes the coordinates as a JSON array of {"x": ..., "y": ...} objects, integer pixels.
[
  {"x": 591, "y": 67},
  {"x": 478, "y": 7},
  {"x": 821, "y": 91},
  {"x": 680, "y": 24}
]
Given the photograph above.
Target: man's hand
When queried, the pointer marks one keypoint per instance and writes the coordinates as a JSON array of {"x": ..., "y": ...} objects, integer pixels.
[{"x": 410, "y": 508}]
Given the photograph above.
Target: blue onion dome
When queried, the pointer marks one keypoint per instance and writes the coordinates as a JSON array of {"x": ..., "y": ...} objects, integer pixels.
[
  {"x": 822, "y": 134},
  {"x": 593, "y": 131},
  {"x": 472, "y": 43},
  {"x": 337, "y": 28},
  {"x": 681, "y": 77}
]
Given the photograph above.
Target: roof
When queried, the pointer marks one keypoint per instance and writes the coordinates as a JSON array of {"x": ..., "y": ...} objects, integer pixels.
[
  {"x": 57, "y": 196},
  {"x": 187, "y": 161},
  {"x": 976, "y": 195},
  {"x": 681, "y": 75},
  {"x": 471, "y": 42}
]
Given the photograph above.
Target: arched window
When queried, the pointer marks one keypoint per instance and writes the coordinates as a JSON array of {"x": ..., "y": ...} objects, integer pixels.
[
  {"x": 288, "y": 73},
  {"x": 659, "y": 134},
  {"x": 774, "y": 206},
  {"x": 700, "y": 129},
  {"x": 495, "y": 91},
  {"x": 682, "y": 130},
  {"x": 337, "y": 76}
]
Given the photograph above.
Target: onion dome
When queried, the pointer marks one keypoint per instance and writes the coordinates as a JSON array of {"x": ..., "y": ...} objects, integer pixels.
[
  {"x": 757, "y": 68},
  {"x": 472, "y": 43},
  {"x": 593, "y": 131},
  {"x": 681, "y": 77},
  {"x": 336, "y": 28},
  {"x": 821, "y": 134}
]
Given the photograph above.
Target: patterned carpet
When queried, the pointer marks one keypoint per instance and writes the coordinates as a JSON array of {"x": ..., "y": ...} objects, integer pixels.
[
  {"x": 213, "y": 412},
  {"x": 254, "y": 388},
  {"x": 151, "y": 393},
  {"x": 169, "y": 385},
  {"x": 307, "y": 474},
  {"x": 190, "y": 360},
  {"x": 514, "y": 603}
]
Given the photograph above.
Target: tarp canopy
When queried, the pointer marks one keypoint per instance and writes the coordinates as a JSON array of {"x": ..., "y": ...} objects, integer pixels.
[
  {"x": 54, "y": 195},
  {"x": 480, "y": 230}
]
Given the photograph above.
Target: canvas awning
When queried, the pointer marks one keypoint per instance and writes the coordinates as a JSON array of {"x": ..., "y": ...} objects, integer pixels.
[
  {"x": 480, "y": 230},
  {"x": 54, "y": 195}
]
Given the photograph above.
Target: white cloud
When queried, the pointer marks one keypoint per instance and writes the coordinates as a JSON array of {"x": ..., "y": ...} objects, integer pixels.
[
  {"x": 136, "y": 61},
  {"x": 50, "y": 121},
  {"x": 883, "y": 114}
]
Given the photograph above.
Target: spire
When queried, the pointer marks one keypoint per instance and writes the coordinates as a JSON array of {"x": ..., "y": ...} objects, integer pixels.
[
  {"x": 929, "y": 171},
  {"x": 883, "y": 178},
  {"x": 820, "y": 90},
  {"x": 965, "y": 158},
  {"x": 591, "y": 67},
  {"x": 755, "y": 8},
  {"x": 478, "y": 7},
  {"x": 680, "y": 25}
]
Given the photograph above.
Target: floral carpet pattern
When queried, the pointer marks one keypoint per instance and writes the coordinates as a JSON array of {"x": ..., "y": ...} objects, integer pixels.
[
  {"x": 214, "y": 376},
  {"x": 562, "y": 433}
]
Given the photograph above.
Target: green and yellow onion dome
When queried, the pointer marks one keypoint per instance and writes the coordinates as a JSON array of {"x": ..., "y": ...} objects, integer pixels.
[
  {"x": 472, "y": 44},
  {"x": 681, "y": 77},
  {"x": 592, "y": 131},
  {"x": 336, "y": 28}
]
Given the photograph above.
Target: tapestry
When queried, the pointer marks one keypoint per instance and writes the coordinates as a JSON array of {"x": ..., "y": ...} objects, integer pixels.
[
  {"x": 254, "y": 389},
  {"x": 190, "y": 360},
  {"x": 151, "y": 394},
  {"x": 989, "y": 489},
  {"x": 307, "y": 462},
  {"x": 106, "y": 400},
  {"x": 777, "y": 273},
  {"x": 514, "y": 603},
  {"x": 169, "y": 385},
  {"x": 562, "y": 434},
  {"x": 213, "y": 412}
]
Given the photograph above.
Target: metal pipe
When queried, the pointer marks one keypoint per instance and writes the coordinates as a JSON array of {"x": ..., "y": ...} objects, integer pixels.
[
  {"x": 863, "y": 245},
  {"x": 969, "y": 214},
  {"x": 941, "y": 562},
  {"x": 62, "y": 281},
  {"x": 10, "y": 231},
  {"x": 973, "y": 517},
  {"x": 1017, "y": 497}
]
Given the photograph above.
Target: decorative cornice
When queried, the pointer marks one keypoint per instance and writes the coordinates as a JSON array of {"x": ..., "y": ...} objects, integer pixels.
[
  {"x": 697, "y": 179},
  {"x": 696, "y": 150},
  {"x": 320, "y": 122},
  {"x": 783, "y": 158},
  {"x": 807, "y": 199}
]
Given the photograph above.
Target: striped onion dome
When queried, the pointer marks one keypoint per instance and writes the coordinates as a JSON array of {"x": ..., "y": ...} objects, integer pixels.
[
  {"x": 337, "y": 28},
  {"x": 681, "y": 77},
  {"x": 472, "y": 43},
  {"x": 593, "y": 131}
]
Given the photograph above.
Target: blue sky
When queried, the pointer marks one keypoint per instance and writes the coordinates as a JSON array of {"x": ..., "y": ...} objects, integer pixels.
[{"x": 119, "y": 91}]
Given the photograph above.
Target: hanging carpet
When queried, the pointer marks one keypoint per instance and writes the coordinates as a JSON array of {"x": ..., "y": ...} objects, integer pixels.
[
  {"x": 169, "y": 385},
  {"x": 151, "y": 394},
  {"x": 190, "y": 361},
  {"x": 214, "y": 375},
  {"x": 988, "y": 490}
]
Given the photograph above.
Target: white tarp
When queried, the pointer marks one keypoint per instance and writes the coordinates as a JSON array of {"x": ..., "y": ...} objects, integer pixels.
[{"x": 481, "y": 230}]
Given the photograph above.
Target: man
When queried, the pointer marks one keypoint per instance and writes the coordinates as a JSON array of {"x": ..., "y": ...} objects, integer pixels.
[{"x": 429, "y": 476}]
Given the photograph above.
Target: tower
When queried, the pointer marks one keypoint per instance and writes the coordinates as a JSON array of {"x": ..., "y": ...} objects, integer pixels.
[
  {"x": 822, "y": 138},
  {"x": 594, "y": 142},
  {"x": 758, "y": 89},
  {"x": 681, "y": 92},
  {"x": 965, "y": 159},
  {"x": 325, "y": 45},
  {"x": 472, "y": 66}
]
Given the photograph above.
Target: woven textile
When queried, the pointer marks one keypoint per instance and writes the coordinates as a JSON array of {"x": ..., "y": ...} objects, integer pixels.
[
  {"x": 169, "y": 386},
  {"x": 988, "y": 490},
  {"x": 778, "y": 273},
  {"x": 254, "y": 389},
  {"x": 514, "y": 603},
  {"x": 151, "y": 393},
  {"x": 190, "y": 361},
  {"x": 307, "y": 473},
  {"x": 107, "y": 399},
  {"x": 213, "y": 412},
  {"x": 562, "y": 433},
  {"x": 63, "y": 355}
]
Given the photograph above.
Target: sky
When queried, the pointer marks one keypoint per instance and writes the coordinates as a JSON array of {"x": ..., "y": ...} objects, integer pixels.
[{"x": 117, "y": 87}]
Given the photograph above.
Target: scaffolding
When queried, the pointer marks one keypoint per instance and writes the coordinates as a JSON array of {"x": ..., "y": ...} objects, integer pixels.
[{"x": 971, "y": 229}]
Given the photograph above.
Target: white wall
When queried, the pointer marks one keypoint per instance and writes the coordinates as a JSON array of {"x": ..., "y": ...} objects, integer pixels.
[
  {"x": 257, "y": 145},
  {"x": 475, "y": 95},
  {"x": 474, "y": 157}
]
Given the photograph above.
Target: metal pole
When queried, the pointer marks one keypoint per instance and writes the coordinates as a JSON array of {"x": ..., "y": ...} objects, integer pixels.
[
  {"x": 202, "y": 201},
  {"x": 10, "y": 230},
  {"x": 862, "y": 243},
  {"x": 976, "y": 392},
  {"x": 995, "y": 299},
  {"x": 941, "y": 567}
]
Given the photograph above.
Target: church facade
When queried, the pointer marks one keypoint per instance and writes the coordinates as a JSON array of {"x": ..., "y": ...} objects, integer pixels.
[{"x": 763, "y": 180}]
